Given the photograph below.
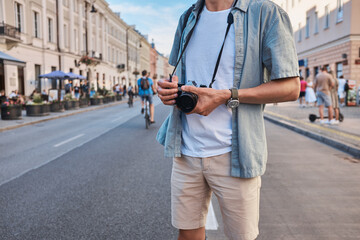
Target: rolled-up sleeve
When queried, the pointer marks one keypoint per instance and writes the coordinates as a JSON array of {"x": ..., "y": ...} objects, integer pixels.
[{"x": 279, "y": 52}]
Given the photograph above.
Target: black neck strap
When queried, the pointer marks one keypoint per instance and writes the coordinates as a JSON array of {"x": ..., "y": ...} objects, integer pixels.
[{"x": 230, "y": 21}]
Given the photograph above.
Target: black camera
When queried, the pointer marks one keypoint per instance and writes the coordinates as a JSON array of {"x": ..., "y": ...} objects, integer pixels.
[{"x": 186, "y": 101}]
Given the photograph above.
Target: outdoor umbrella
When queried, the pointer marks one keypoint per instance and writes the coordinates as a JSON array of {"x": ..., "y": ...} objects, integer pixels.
[
  {"x": 72, "y": 75},
  {"x": 55, "y": 75}
]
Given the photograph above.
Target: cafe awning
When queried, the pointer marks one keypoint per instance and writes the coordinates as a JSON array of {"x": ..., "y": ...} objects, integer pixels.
[{"x": 9, "y": 60}]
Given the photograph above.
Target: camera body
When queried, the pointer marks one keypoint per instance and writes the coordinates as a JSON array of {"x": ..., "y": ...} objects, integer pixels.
[{"x": 186, "y": 101}]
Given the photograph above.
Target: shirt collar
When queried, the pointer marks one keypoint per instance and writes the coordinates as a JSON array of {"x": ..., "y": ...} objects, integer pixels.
[{"x": 241, "y": 4}]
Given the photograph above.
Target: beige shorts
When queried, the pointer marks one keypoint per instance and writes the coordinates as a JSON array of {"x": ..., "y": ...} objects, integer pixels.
[{"x": 192, "y": 182}]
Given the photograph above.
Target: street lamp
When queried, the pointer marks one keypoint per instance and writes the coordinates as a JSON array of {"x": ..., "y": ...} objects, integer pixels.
[{"x": 93, "y": 9}]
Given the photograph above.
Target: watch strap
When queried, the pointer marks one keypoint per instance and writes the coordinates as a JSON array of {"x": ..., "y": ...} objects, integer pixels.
[{"x": 234, "y": 93}]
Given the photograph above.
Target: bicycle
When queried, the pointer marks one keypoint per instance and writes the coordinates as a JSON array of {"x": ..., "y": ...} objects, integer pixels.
[
  {"x": 147, "y": 115},
  {"x": 131, "y": 100}
]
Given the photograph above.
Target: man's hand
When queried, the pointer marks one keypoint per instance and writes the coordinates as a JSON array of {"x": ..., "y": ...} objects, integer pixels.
[
  {"x": 168, "y": 90},
  {"x": 209, "y": 98}
]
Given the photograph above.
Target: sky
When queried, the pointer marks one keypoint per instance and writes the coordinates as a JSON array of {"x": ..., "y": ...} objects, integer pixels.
[{"x": 156, "y": 18}]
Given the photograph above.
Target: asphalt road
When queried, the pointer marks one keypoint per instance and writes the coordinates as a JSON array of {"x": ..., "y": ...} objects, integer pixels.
[{"x": 101, "y": 175}]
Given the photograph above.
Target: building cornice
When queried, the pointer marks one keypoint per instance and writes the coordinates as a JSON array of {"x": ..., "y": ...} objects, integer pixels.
[{"x": 328, "y": 45}]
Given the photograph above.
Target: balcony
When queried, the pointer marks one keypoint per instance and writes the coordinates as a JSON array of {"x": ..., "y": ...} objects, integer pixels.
[{"x": 9, "y": 35}]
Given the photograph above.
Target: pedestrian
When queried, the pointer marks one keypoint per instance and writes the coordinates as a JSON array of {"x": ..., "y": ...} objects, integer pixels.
[
  {"x": 124, "y": 90},
  {"x": 341, "y": 90},
  {"x": 77, "y": 91},
  {"x": 14, "y": 95},
  {"x": 323, "y": 84},
  {"x": 85, "y": 89},
  {"x": 302, "y": 92},
  {"x": 310, "y": 97},
  {"x": 68, "y": 87},
  {"x": 334, "y": 97},
  {"x": 346, "y": 89},
  {"x": 220, "y": 145},
  {"x": 33, "y": 93},
  {"x": 117, "y": 89},
  {"x": 3, "y": 97}
]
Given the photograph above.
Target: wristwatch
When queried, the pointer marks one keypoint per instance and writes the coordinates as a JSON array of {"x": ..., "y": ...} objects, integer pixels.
[{"x": 233, "y": 102}]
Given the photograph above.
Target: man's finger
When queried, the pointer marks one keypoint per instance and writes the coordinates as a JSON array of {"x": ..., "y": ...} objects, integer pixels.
[
  {"x": 165, "y": 92},
  {"x": 187, "y": 88},
  {"x": 170, "y": 102},
  {"x": 167, "y": 84},
  {"x": 167, "y": 97}
]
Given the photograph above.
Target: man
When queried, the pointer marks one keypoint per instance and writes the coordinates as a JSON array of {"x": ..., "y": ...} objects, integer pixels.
[
  {"x": 303, "y": 86},
  {"x": 323, "y": 84},
  {"x": 68, "y": 87},
  {"x": 77, "y": 91},
  {"x": 146, "y": 90},
  {"x": 335, "y": 98},
  {"x": 220, "y": 146},
  {"x": 85, "y": 89}
]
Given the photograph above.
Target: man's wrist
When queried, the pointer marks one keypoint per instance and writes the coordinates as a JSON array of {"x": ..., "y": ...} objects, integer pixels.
[{"x": 226, "y": 95}]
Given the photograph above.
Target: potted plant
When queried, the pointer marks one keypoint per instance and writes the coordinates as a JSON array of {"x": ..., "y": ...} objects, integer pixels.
[
  {"x": 75, "y": 103},
  {"x": 68, "y": 101},
  {"x": 84, "y": 101},
  {"x": 96, "y": 99},
  {"x": 57, "y": 106},
  {"x": 34, "y": 108},
  {"x": 118, "y": 97},
  {"x": 11, "y": 111},
  {"x": 111, "y": 96}
]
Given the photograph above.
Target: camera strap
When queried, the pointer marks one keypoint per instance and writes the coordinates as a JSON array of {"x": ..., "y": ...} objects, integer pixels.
[{"x": 230, "y": 21}]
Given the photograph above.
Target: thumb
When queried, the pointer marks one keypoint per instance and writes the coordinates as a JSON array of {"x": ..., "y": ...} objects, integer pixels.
[
  {"x": 188, "y": 88},
  {"x": 175, "y": 79}
]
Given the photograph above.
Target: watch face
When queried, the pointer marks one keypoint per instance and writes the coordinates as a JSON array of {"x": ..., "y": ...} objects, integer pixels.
[{"x": 233, "y": 103}]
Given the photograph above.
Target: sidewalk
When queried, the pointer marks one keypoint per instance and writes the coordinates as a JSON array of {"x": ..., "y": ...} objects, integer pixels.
[
  {"x": 12, "y": 124},
  {"x": 345, "y": 136}
]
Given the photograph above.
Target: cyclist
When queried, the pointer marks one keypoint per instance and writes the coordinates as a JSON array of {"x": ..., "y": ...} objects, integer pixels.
[{"x": 146, "y": 90}]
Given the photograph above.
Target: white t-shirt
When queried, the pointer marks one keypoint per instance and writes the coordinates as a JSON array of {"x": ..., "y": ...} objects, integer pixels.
[{"x": 205, "y": 136}]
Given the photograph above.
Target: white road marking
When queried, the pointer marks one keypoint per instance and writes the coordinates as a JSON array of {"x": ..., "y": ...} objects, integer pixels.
[
  {"x": 69, "y": 140},
  {"x": 211, "y": 222},
  {"x": 117, "y": 119}
]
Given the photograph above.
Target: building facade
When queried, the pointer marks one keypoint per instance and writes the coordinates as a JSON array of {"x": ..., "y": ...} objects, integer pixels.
[
  {"x": 326, "y": 33},
  {"x": 47, "y": 35}
]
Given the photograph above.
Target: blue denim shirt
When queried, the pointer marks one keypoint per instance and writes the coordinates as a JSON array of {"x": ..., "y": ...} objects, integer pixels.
[{"x": 265, "y": 51}]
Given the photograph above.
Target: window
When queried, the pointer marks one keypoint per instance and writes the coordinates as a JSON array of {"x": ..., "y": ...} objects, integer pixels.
[
  {"x": 109, "y": 54},
  {"x": 339, "y": 69},
  {"x": 307, "y": 27},
  {"x": 340, "y": 10},
  {"x": 36, "y": 25},
  {"x": 50, "y": 30},
  {"x": 327, "y": 17},
  {"x": 299, "y": 33},
  {"x": 66, "y": 39},
  {"x": 316, "y": 71},
  {"x": 76, "y": 40},
  {"x": 316, "y": 23},
  {"x": 19, "y": 17},
  {"x": 84, "y": 42}
]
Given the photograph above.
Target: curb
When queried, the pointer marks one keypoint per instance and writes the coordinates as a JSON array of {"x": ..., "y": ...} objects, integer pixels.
[
  {"x": 61, "y": 116},
  {"x": 354, "y": 151}
]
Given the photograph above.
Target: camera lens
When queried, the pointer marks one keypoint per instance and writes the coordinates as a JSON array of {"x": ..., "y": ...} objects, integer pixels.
[{"x": 187, "y": 102}]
